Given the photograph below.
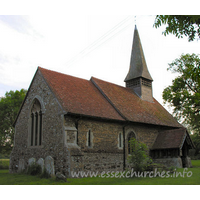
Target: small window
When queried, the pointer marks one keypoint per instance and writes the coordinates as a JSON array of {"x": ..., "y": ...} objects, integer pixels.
[
  {"x": 120, "y": 140},
  {"x": 89, "y": 139}
]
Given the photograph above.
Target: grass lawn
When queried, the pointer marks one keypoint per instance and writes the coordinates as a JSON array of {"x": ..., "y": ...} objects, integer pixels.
[{"x": 23, "y": 179}]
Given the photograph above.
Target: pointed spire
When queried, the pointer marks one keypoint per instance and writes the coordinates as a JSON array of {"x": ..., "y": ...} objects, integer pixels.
[
  {"x": 138, "y": 77},
  {"x": 138, "y": 67}
]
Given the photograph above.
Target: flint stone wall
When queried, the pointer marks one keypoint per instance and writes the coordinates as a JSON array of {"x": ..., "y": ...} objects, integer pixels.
[
  {"x": 52, "y": 130},
  {"x": 105, "y": 153}
]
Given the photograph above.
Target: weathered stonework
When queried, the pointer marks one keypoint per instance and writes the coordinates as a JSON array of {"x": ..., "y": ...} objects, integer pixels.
[
  {"x": 21, "y": 166},
  {"x": 41, "y": 163},
  {"x": 31, "y": 161},
  {"x": 49, "y": 165},
  {"x": 52, "y": 129},
  {"x": 105, "y": 154}
]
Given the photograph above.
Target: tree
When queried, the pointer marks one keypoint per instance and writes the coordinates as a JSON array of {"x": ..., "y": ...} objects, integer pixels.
[
  {"x": 9, "y": 106},
  {"x": 179, "y": 25},
  {"x": 184, "y": 93},
  {"x": 196, "y": 140},
  {"x": 139, "y": 158}
]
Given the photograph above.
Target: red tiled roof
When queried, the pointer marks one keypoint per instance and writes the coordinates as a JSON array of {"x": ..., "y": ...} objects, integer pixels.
[
  {"x": 79, "y": 96},
  {"x": 99, "y": 98},
  {"x": 170, "y": 139},
  {"x": 133, "y": 108}
]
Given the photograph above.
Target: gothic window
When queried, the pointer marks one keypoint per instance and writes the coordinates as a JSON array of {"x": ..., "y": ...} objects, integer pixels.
[
  {"x": 36, "y": 124},
  {"x": 130, "y": 136}
]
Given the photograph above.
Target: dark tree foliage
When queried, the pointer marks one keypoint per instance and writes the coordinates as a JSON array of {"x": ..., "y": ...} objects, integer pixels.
[
  {"x": 179, "y": 25},
  {"x": 9, "y": 107},
  {"x": 184, "y": 93},
  {"x": 196, "y": 141}
]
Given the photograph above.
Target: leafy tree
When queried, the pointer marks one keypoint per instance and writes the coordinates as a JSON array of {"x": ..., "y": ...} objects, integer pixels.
[
  {"x": 179, "y": 25},
  {"x": 184, "y": 93},
  {"x": 196, "y": 141},
  {"x": 9, "y": 107},
  {"x": 139, "y": 158}
]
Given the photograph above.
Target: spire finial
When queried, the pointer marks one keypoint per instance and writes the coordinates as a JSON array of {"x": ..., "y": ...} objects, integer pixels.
[{"x": 135, "y": 20}]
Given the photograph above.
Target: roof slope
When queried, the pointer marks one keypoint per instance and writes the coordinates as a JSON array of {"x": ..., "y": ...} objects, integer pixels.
[
  {"x": 170, "y": 139},
  {"x": 133, "y": 108},
  {"x": 102, "y": 99},
  {"x": 79, "y": 96}
]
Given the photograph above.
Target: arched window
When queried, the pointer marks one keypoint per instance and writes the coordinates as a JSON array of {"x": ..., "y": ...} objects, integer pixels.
[
  {"x": 36, "y": 124},
  {"x": 130, "y": 136}
]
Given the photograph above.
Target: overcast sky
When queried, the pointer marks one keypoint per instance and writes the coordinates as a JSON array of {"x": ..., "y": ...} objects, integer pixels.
[{"x": 84, "y": 46}]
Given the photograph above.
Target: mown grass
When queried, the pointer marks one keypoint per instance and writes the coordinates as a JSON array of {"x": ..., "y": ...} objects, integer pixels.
[{"x": 24, "y": 179}]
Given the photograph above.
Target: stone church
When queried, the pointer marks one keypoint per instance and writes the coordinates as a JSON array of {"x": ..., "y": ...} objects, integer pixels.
[{"x": 86, "y": 124}]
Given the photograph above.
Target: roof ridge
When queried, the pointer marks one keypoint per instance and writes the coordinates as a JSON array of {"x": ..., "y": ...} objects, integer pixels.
[
  {"x": 106, "y": 97},
  {"x": 41, "y": 68},
  {"x": 109, "y": 82}
]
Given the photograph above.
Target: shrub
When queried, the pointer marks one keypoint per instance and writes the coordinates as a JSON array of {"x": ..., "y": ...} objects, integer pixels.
[
  {"x": 139, "y": 158},
  {"x": 34, "y": 169},
  {"x": 4, "y": 156},
  {"x": 4, "y": 163}
]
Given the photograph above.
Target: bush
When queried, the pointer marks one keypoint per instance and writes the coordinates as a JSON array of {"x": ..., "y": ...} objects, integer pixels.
[
  {"x": 4, "y": 163},
  {"x": 4, "y": 156},
  {"x": 139, "y": 158},
  {"x": 34, "y": 169},
  {"x": 194, "y": 154}
]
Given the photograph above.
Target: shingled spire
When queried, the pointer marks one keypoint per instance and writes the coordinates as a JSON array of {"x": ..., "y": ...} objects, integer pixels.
[{"x": 138, "y": 77}]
